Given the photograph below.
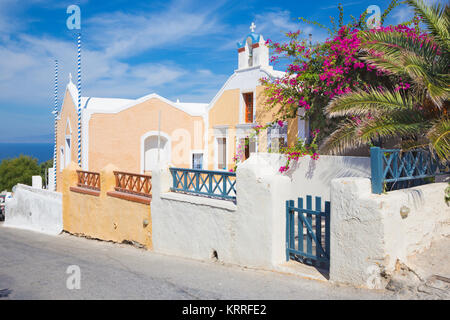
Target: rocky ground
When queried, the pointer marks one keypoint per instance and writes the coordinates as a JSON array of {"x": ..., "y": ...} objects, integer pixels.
[{"x": 427, "y": 275}]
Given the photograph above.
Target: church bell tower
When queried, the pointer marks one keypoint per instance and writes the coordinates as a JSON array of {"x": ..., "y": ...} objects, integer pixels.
[{"x": 253, "y": 51}]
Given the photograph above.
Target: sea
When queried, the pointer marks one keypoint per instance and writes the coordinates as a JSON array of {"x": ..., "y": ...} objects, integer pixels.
[{"x": 40, "y": 151}]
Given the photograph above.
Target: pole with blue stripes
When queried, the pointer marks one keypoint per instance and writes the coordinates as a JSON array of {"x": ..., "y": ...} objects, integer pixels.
[
  {"x": 55, "y": 114},
  {"x": 79, "y": 98}
]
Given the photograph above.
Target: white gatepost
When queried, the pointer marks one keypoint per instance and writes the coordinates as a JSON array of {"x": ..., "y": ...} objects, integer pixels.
[{"x": 36, "y": 182}]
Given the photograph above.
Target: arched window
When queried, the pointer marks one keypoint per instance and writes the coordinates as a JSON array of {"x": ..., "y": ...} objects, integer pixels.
[
  {"x": 154, "y": 152},
  {"x": 249, "y": 46}
]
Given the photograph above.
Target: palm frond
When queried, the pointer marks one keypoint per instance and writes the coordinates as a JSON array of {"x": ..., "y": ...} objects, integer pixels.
[
  {"x": 372, "y": 101},
  {"x": 439, "y": 137},
  {"x": 400, "y": 124},
  {"x": 436, "y": 18},
  {"x": 406, "y": 57},
  {"x": 396, "y": 43},
  {"x": 342, "y": 139}
]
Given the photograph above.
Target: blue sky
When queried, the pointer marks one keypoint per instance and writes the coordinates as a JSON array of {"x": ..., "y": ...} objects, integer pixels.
[{"x": 179, "y": 49}]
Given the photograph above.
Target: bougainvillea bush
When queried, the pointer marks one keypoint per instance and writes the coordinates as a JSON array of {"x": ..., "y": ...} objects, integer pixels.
[
  {"x": 413, "y": 110},
  {"x": 364, "y": 85},
  {"x": 318, "y": 73},
  {"x": 315, "y": 74}
]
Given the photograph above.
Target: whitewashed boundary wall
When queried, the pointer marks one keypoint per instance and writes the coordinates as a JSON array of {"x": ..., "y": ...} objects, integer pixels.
[
  {"x": 252, "y": 232},
  {"x": 35, "y": 209},
  {"x": 370, "y": 233}
]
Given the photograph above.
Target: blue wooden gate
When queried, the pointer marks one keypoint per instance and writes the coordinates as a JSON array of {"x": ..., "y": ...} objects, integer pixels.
[{"x": 308, "y": 231}]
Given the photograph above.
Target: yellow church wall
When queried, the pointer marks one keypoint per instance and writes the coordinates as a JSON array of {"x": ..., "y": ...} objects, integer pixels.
[
  {"x": 104, "y": 217},
  {"x": 116, "y": 138},
  {"x": 292, "y": 131},
  {"x": 225, "y": 112},
  {"x": 68, "y": 111},
  {"x": 265, "y": 115}
]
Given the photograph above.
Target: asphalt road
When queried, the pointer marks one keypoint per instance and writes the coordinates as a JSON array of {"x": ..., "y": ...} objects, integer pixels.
[{"x": 33, "y": 266}]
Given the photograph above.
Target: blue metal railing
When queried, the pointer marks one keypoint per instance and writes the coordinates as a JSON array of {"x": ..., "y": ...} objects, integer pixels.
[
  {"x": 215, "y": 184},
  {"x": 395, "y": 169}
]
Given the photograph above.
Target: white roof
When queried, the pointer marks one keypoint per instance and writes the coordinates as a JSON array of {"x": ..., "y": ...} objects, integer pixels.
[
  {"x": 114, "y": 105},
  {"x": 97, "y": 104},
  {"x": 104, "y": 104},
  {"x": 193, "y": 108}
]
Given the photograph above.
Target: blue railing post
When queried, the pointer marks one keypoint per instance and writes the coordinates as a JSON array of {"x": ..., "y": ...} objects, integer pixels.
[
  {"x": 174, "y": 177},
  {"x": 210, "y": 189},
  {"x": 185, "y": 186},
  {"x": 224, "y": 190},
  {"x": 376, "y": 165},
  {"x": 287, "y": 230}
]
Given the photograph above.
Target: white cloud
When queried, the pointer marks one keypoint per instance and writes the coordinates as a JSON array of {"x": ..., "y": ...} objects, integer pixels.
[
  {"x": 121, "y": 34},
  {"x": 27, "y": 61},
  {"x": 402, "y": 14},
  {"x": 282, "y": 21}
]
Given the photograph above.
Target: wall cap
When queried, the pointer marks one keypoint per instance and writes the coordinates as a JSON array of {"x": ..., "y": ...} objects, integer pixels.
[{"x": 198, "y": 200}]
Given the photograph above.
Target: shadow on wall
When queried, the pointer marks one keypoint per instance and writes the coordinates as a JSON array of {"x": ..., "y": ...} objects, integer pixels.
[
  {"x": 415, "y": 196},
  {"x": 327, "y": 168}
]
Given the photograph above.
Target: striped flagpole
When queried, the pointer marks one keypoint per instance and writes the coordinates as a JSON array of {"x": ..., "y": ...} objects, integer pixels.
[
  {"x": 79, "y": 98},
  {"x": 55, "y": 112}
]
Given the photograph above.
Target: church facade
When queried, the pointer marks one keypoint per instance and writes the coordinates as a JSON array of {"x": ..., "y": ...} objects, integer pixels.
[{"x": 136, "y": 135}]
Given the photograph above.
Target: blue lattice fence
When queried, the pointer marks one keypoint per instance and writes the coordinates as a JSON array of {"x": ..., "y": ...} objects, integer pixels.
[
  {"x": 393, "y": 169},
  {"x": 215, "y": 184}
]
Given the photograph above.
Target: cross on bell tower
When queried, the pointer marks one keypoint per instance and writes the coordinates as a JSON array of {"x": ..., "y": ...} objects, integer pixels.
[{"x": 252, "y": 50}]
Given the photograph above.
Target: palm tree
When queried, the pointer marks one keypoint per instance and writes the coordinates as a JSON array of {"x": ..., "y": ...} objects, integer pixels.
[{"x": 419, "y": 115}]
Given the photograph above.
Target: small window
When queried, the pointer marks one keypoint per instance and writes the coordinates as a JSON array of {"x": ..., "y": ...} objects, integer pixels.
[
  {"x": 222, "y": 153},
  {"x": 277, "y": 137},
  {"x": 248, "y": 99},
  {"x": 197, "y": 161},
  {"x": 250, "y": 52},
  {"x": 61, "y": 159},
  {"x": 68, "y": 151},
  {"x": 249, "y": 147}
]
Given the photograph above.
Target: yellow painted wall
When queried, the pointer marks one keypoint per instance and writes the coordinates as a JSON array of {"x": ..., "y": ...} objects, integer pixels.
[
  {"x": 116, "y": 138},
  {"x": 104, "y": 217},
  {"x": 68, "y": 111},
  {"x": 226, "y": 112}
]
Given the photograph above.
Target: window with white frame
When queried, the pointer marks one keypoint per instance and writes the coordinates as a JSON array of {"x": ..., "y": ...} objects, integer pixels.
[
  {"x": 68, "y": 151},
  {"x": 62, "y": 159},
  {"x": 222, "y": 153},
  {"x": 249, "y": 108},
  {"x": 277, "y": 137},
  {"x": 248, "y": 146},
  {"x": 197, "y": 161}
]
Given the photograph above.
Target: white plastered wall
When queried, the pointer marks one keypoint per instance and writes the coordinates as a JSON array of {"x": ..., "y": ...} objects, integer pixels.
[
  {"x": 369, "y": 234},
  {"x": 35, "y": 209},
  {"x": 252, "y": 232}
]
